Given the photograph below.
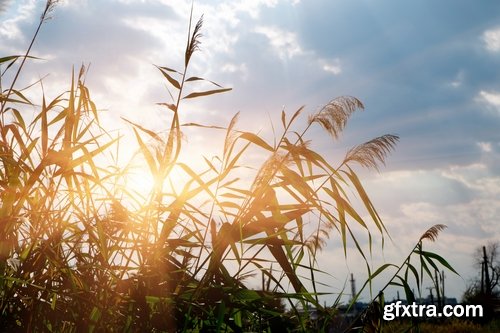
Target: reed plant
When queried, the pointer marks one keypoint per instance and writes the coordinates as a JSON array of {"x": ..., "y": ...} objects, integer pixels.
[{"x": 80, "y": 251}]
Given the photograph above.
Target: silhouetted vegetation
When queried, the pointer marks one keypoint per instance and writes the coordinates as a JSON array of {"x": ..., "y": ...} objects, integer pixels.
[{"x": 485, "y": 289}]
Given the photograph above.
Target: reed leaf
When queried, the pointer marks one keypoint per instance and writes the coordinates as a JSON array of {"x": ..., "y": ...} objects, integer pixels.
[{"x": 206, "y": 93}]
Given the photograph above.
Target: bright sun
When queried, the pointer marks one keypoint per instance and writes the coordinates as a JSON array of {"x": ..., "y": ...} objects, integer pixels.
[{"x": 140, "y": 181}]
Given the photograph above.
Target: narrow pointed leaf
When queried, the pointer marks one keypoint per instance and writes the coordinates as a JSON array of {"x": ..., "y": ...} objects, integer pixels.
[
  {"x": 195, "y": 78},
  {"x": 206, "y": 93},
  {"x": 170, "y": 79}
]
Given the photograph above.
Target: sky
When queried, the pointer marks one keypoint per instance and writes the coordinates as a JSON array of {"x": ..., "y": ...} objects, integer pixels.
[{"x": 428, "y": 71}]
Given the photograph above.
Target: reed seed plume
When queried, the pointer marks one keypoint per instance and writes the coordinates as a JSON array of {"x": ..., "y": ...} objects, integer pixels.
[
  {"x": 269, "y": 169},
  {"x": 231, "y": 134},
  {"x": 433, "y": 232},
  {"x": 318, "y": 240},
  {"x": 334, "y": 115},
  {"x": 373, "y": 152},
  {"x": 49, "y": 8},
  {"x": 194, "y": 41}
]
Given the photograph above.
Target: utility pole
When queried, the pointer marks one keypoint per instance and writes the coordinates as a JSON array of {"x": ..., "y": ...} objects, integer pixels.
[
  {"x": 353, "y": 286},
  {"x": 482, "y": 278},
  {"x": 430, "y": 292},
  {"x": 487, "y": 281}
]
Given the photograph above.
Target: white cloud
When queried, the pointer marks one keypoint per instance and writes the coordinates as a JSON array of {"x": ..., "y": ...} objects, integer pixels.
[
  {"x": 491, "y": 98},
  {"x": 459, "y": 79},
  {"x": 332, "y": 66},
  {"x": 154, "y": 26},
  {"x": 468, "y": 175},
  {"x": 485, "y": 146},
  {"x": 241, "y": 69},
  {"x": 10, "y": 27},
  {"x": 227, "y": 10},
  {"x": 284, "y": 43},
  {"x": 492, "y": 39},
  {"x": 252, "y": 7},
  {"x": 421, "y": 211}
]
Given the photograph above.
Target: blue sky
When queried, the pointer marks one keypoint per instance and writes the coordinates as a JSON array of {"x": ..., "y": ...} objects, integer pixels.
[{"x": 428, "y": 71}]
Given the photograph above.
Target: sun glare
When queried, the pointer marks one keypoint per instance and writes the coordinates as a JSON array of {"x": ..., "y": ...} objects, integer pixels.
[{"x": 140, "y": 181}]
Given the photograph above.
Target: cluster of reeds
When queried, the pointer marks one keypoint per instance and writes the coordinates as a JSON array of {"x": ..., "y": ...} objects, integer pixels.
[{"x": 79, "y": 251}]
